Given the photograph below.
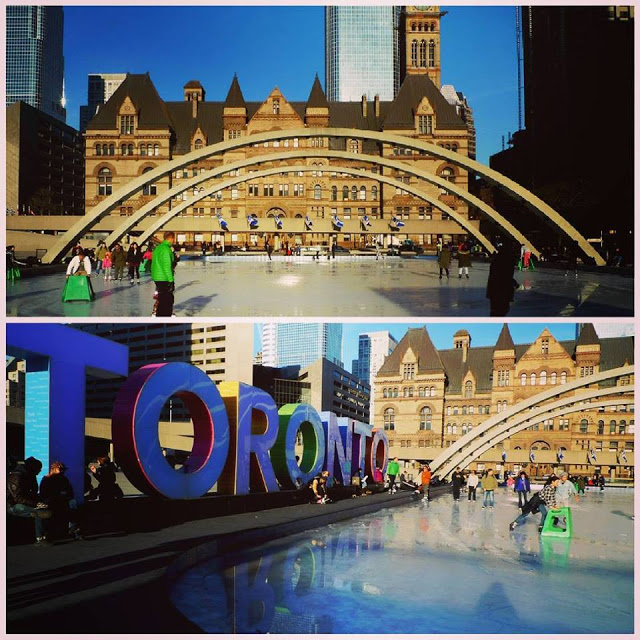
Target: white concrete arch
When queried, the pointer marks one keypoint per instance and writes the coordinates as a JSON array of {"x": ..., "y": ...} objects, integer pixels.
[
  {"x": 520, "y": 421},
  {"x": 130, "y": 221},
  {"x": 526, "y": 404},
  {"x": 64, "y": 243},
  {"x": 225, "y": 184},
  {"x": 495, "y": 439}
]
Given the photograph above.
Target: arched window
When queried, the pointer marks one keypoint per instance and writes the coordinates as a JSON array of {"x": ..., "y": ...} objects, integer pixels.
[
  {"x": 123, "y": 150},
  {"x": 317, "y": 192},
  {"x": 112, "y": 149},
  {"x": 523, "y": 379},
  {"x": 374, "y": 192},
  {"x": 149, "y": 189},
  {"x": 395, "y": 392},
  {"x": 198, "y": 144},
  {"x": 149, "y": 149},
  {"x": 622, "y": 427},
  {"x": 553, "y": 377},
  {"x": 421, "y": 392},
  {"x": 543, "y": 378},
  {"x": 334, "y": 193},
  {"x": 612, "y": 427},
  {"x": 454, "y": 147},
  {"x": 104, "y": 182},
  {"x": 384, "y": 393},
  {"x": 563, "y": 377},
  {"x": 448, "y": 174},
  {"x": 143, "y": 149},
  {"x": 432, "y": 391},
  {"x": 423, "y": 53},
  {"x": 454, "y": 429},
  {"x": 98, "y": 150},
  {"x": 363, "y": 193},
  {"x": 389, "y": 419},
  {"x": 354, "y": 146},
  {"x": 432, "y": 53},
  {"x": 584, "y": 425},
  {"x": 533, "y": 379},
  {"x": 414, "y": 53},
  {"x": 405, "y": 392},
  {"x": 156, "y": 149},
  {"x": 600, "y": 427},
  {"x": 345, "y": 193},
  {"x": 354, "y": 192},
  {"x": 130, "y": 149},
  {"x": 468, "y": 389}
]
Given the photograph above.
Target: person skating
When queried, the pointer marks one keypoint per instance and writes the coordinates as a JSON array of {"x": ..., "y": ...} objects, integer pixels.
[
  {"x": 107, "y": 264},
  {"x": 101, "y": 252},
  {"x": 489, "y": 485},
  {"x": 444, "y": 259},
  {"x": 119, "y": 262},
  {"x": 523, "y": 487},
  {"x": 425, "y": 482},
  {"x": 457, "y": 482},
  {"x": 392, "y": 472},
  {"x": 541, "y": 501},
  {"x": 472, "y": 484},
  {"x": 134, "y": 258},
  {"x": 565, "y": 490},
  {"x": 464, "y": 259},
  {"x": 80, "y": 263},
  {"x": 501, "y": 285},
  {"x": 162, "y": 265},
  {"x": 581, "y": 484},
  {"x": 23, "y": 500}
]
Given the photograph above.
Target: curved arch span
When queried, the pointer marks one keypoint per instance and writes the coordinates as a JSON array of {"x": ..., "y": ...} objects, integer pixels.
[
  {"x": 80, "y": 228},
  {"x": 521, "y": 421},
  {"x": 528, "y": 404},
  {"x": 129, "y": 222},
  {"x": 225, "y": 184}
]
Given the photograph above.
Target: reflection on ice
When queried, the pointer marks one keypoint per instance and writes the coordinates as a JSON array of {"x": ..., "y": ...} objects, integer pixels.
[{"x": 438, "y": 568}]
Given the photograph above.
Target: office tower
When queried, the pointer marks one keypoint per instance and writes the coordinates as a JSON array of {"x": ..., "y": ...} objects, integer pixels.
[
  {"x": 35, "y": 61},
  {"x": 362, "y": 52},
  {"x": 373, "y": 348},
  {"x": 101, "y": 87},
  {"x": 300, "y": 343}
]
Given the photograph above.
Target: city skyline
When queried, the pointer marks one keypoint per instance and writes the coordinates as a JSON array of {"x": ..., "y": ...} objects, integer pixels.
[{"x": 293, "y": 64}]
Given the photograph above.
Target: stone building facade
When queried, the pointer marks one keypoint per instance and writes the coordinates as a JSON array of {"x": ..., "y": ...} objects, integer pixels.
[
  {"x": 136, "y": 130},
  {"x": 427, "y": 399}
]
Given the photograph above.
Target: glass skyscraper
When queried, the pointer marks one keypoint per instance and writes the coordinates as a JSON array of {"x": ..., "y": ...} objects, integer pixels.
[
  {"x": 35, "y": 61},
  {"x": 362, "y": 54},
  {"x": 300, "y": 343}
]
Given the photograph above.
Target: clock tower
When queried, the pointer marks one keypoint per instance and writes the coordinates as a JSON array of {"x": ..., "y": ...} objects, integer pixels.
[{"x": 421, "y": 37}]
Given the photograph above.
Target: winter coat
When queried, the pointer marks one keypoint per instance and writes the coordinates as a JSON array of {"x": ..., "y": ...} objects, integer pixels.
[
  {"x": 489, "y": 483},
  {"x": 134, "y": 256},
  {"x": 523, "y": 484},
  {"x": 22, "y": 488},
  {"x": 162, "y": 262},
  {"x": 119, "y": 258},
  {"x": 501, "y": 285},
  {"x": 533, "y": 504},
  {"x": 101, "y": 252},
  {"x": 472, "y": 480},
  {"x": 457, "y": 479},
  {"x": 445, "y": 258},
  {"x": 56, "y": 490},
  {"x": 464, "y": 258},
  {"x": 393, "y": 468}
]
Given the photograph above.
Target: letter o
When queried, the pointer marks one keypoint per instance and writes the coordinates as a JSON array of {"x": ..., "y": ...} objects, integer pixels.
[{"x": 135, "y": 430}]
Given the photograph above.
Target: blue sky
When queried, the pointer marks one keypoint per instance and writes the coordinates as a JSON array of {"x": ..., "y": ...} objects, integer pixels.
[
  {"x": 277, "y": 45},
  {"x": 482, "y": 334}
]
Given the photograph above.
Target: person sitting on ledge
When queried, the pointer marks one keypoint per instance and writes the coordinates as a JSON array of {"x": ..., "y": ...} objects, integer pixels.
[
  {"x": 319, "y": 488},
  {"x": 23, "y": 500}
]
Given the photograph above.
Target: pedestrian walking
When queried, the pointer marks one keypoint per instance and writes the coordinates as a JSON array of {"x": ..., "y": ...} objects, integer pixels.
[
  {"x": 107, "y": 264},
  {"x": 444, "y": 259},
  {"x": 501, "y": 285},
  {"x": 392, "y": 472},
  {"x": 119, "y": 262},
  {"x": 23, "y": 499},
  {"x": 523, "y": 487},
  {"x": 472, "y": 484},
  {"x": 489, "y": 485},
  {"x": 162, "y": 266},
  {"x": 134, "y": 258},
  {"x": 541, "y": 501},
  {"x": 464, "y": 259},
  {"x": 457, "y": 482},
  {"x": 101, "y": 252},
  {"x": 269, "y": 248},
  {"x": 565, "y": 490}
]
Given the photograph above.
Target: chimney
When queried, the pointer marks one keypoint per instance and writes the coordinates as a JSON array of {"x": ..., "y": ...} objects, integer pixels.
[
  {"x": 364, "y": 106},
  {"x": 376, "y": 106},
  {"x": 465, "y": 350}
]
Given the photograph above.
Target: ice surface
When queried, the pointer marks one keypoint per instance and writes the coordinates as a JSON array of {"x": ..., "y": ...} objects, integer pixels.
[{"x": 441, "y": 567}]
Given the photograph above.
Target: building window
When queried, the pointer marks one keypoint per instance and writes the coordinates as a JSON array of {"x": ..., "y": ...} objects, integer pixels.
[
  {"x": 374, "y": 192},
  {"x": 198, "y": 144},
  {"x": 126, "y": 125},
  {"x": 600, "y": 427},
  {"x": 425, "y": 125},
  {"x": 354, "y": 146},
  {"x": 414, "y": 53},
  {"x": 622, "y": 427},
  {"x": 563, "y": 377},
  {"x": 362, "y": 194},
  {"x": 432, "y": 53},
  {"x": 354, "y": 192},
  {"x": 235, "y": 133},
  {"x": 545, "y": 345},
  {"x": 408, "y": 371},
  {"x": 503, "y": 378},
  {"x": 543, "y": 378},
  {"x": 334, "y": 193},
  {"x": 584, "y": 424},
  {"x": 533, "y": 379},
  {"x": 149, "y": 189},
  {"x": 267, "y": 190},
  {"x": 468, "y": 389},
  {"x": 423, "y": 53},
  {"x": 553, "y": 377},
  {"x": 612, "y": 427},
  {"x": 317, "y": 192},
  {"x": 523, "y": 379},
  {"x": 98, "y": 150},
  {"x": 283, "y": 190},
  {"x": 389, "y": 419},
  {"x": 276, "y": 106},
  {"x": 104, "y": 182}
]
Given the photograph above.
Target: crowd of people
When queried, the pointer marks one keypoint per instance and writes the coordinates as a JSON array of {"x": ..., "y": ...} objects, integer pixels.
[{"x": 53, "y": 505}]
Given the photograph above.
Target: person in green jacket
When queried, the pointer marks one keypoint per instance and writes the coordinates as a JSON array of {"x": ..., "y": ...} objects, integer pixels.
[
  {"x": 489, "y": 485},
  {"x": 392, "y": 472},
  {"x": 162, "y": 265}
]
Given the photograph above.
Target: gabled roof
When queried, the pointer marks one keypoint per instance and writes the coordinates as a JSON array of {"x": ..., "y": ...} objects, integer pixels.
[
  {"x": 588, "y": 335},
  {"x": 505, "y": 341},
  {"x": 419, "y": 342},
  {"x": 152, "y": 110},
  {"x": 317, "y": 98},
  {"x": 460, "y": 333},
  {"x": 401, "y": 115},
  {"x": 193, "y": 84},
  {"x": 235, "y": 99}
]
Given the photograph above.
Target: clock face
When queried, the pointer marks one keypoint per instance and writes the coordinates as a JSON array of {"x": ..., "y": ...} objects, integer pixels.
[{"x": 430, "y": 9}]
